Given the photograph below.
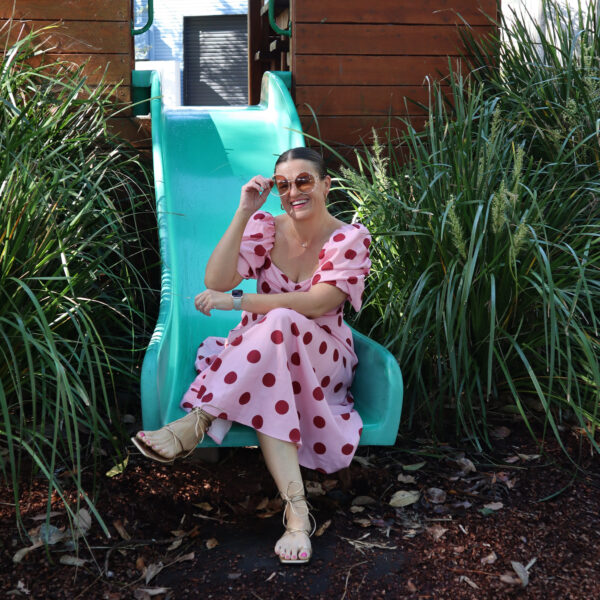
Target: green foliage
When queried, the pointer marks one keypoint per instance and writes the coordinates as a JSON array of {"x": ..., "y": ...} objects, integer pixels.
[
  {"x": 72, "y": 264},
  {"x": 485, "y": 280}
]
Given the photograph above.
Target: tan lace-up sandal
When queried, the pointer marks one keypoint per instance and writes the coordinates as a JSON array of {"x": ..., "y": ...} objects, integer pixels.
[
  {"x": 291, "y": 500},
  {"x": 203, "y": 422}
]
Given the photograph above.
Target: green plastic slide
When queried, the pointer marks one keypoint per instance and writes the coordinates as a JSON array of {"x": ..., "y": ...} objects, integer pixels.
[{"x": 202, "y": 156}]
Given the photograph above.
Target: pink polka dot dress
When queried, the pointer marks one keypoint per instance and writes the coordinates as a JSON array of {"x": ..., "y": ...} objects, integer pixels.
[{"x": 282, "y": 373}]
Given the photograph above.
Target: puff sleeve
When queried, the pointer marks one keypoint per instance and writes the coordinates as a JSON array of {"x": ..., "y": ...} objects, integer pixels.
[
  {"x": 257, "y": 243},
  {"x": 344, "y": 262}
]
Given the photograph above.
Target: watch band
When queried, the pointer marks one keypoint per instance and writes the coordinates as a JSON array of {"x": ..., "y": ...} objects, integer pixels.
[{"x": 237, "y": 296}]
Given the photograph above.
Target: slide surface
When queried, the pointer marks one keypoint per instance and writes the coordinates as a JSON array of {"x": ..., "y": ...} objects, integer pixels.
[{"x": 202, "y": 156}]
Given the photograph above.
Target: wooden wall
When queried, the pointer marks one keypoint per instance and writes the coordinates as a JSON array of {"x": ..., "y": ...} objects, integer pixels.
[
  {"x": 355, "y": 61},
  {"x": 94, "y": 32}
]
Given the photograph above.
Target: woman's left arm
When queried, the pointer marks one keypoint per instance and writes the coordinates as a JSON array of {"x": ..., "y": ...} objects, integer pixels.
[{"x": 318, "y": 301}]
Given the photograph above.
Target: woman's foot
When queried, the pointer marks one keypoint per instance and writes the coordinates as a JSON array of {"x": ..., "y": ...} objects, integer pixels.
[
  {"x": 175, "y": 440},
  {"x": 294, "y": 545}
]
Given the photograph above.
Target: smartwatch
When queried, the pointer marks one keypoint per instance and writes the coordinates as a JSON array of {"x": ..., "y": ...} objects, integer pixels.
[{"x": 237, "y": 296}]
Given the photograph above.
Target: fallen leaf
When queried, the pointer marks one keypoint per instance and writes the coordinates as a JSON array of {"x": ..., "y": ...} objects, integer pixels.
[
  {"x": 435, "y": 495},
  {"x": 329, "y": 484},
  {"x": 314, "y": 488},
  {"x": 406, "y": 478},
  {"x": 458, "y": 549},
  {"x": 490, "y": 559},
  {"x": 48, "y": 534},
  {"x": 436, "y": 531},
  {"x": 321, "y": 530},
  {"x": 262, "y": 504},
  {"x": 21, "y": 587},
  {"x": 512, "y": 459},
  {"x": 411, "y": 587},
  {"x": 510, "y": 578},
  {"x": 527, "y": 457},
  {"x": 140, "y": 564},
  {"x": 468, "y": 582},
  {"x": 152, "y": 571},
  {"x": 19, "y": 554},
  {"x": 118, "y": 469},
  {"x": 204, "y": 506},
  {"x": 74, "y": 561},
  {"x": 145, "y": 593},
  {"x": 521, "y": 572},
  {"x": 234, "y": 575},
  {"x": 357, "y": 509},
  {"x": 44, "y": 516},
  {"x": 361, "y": 460},
  {"x": 363, "y": 501},
  {"x": 414, "y": 467},
  {"x": 500, "y": 432},
  {"x": 363, "y": 522},
  {"x": 118, "y": 525},
  {"x": 175, "y": 544},
  {"x": 82, "y": 521},
  {"x": 273, "y": 574},
  {"x": 405, "y": 497},
  {"x": 188, "y": 556},
  {"x": 212, "y": 543},
  {"x": 466, "y": 466},
  {"x": 493, "y": 506}
]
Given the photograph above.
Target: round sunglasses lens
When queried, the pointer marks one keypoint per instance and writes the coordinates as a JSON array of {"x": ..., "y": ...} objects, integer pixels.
[
  {"x": 305, "y": 182},
  {"x": 282, "y": 185}
]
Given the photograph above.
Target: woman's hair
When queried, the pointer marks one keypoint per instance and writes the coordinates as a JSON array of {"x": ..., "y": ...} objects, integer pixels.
[{"x": 302, "y": 153}]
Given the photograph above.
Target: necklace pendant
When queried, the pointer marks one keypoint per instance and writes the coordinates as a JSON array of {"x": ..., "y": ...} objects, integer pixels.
[{"x": 304, "y": 244}]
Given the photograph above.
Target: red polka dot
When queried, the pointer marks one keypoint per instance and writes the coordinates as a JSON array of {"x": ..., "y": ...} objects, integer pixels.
[
  {"x": 326, "y": 328},
  {"x": 344, "y": 361},
  {"x": 237, "y": 341},
  {"x": 367, "y": 242},
  {"x": 350, "y": 254},
  {"x": 336, "y": 355},
  {"x": 322, "y": 253},
  {"x": 282, "y": 407},
  {"x": 318, "y": 394},
  {"x": 254, "y": 316},
  {"x": 345, "y": 416},
  {"x": 208, "y": 360},
  {"x": 245, "y": 320},
  {"x": 259, "y": 250},
  {"x": 219, "y": 343},
  {"x": 307, "y": 338},
  {"x": 356, "y": 225},
  {"x": 295, "y": 330},
  {"x": 244, "y": 398},
  {"x": 295, "y": 358},
  {"x": 207, "y": 398},
  {"x": 316, "y": 279},
  {"x": 265, "y": 287},
  {"x": 297, "y": 286},
  {"x": 319, "y": 448},
  {"x": 295, "y": 435},
  {"x": 296, "y": 387},
  {"x": 200, "y": 357},
  {"x": 277, "y": 336},
  {"x": 319, "y": 422},
  {"x": 352, "y": 280},
  {"x": 201, "y": 391},
  {"x": 349, "y": 341},
  {"x": 267, "y": 263},
  {"x": 328, "y": 266},
  {"x": 259, "y": 216},
  {"x": 360, "y": 431},
  {"x": 231, "y": 377},
  {"x": 257, "y": 422},
  {"x": 216, "y": 364},
  {"x": 187, "y": 405},
  {"x": 268, "y": 380},
  {"x": 340, "y": 237},
  {"x": 253, "y": 356},
  {"x": 339, "y": 321},
  {"x": 325, "y": 381},
  {"x": 284, "y": 290},
  {"x": 347, "y": 449},
  {"x": 256, "y": 236},
  {"x": 323, "y": 348},
  {"x": 338, "y": 387},
  {"x": 222, "y": 415},
  {"x": 285, "y": 277},
  {"x": 320, "y": 470}
]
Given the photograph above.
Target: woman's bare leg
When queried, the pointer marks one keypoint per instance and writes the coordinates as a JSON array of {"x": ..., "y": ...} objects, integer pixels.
[{"x": 282, "y": 461}]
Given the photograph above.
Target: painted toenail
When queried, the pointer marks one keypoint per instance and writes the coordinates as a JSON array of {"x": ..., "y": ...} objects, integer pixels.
[
  {"x": 141, "y": 434},
  {"x": 303, "y": 555}
]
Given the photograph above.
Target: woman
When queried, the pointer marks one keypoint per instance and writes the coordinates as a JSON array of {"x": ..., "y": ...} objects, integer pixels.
[{"x": 287, "y": 368}]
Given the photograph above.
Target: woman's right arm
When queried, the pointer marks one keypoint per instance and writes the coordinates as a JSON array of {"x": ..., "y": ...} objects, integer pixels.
[{"x": 221, "y": 270}]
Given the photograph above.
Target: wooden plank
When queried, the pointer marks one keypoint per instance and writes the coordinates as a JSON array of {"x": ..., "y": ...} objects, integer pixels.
[
  {"x": 118, "y": 67},
  {"x": 346, "y": 100},
  {"x": 381, "y": 40},
  {"x": 85, "y": 10},
  {"x": 354, "y": 130},
  {"x": 441, "y": 12},
  {"x": 80, "y": 37},
  {"x": 369, "y": 70},
  {"x": 137, "y": 130}
]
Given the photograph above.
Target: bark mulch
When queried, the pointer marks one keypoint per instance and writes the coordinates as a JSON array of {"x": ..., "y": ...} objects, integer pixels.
[{"x": 506, "y": 524}]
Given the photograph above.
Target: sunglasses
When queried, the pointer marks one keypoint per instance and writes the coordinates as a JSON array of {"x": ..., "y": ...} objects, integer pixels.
[{"x": 305, "y": 183}]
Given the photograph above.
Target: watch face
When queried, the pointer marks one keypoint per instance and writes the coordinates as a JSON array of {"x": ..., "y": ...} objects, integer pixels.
[{"x": 237, "y": 293}]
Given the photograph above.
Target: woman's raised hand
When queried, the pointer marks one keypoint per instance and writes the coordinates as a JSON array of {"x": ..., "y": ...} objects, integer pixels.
[
  {"x": 211, "y": 299},
  {"x": 254, "y": 193}
]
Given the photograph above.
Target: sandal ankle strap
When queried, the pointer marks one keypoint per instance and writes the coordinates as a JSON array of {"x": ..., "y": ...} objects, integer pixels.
[{"x": 291, "y": 498}]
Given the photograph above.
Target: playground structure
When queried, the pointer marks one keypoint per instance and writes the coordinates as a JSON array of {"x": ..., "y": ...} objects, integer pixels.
[{"x": 341, "y": 69}]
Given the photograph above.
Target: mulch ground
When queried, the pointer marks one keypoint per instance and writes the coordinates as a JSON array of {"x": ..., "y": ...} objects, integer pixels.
[{"x": 508, "y": 524}]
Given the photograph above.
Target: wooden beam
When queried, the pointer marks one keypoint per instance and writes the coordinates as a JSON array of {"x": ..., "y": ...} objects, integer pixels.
[
  {"x": 77, "y": 37},
  {"x": 84, "y": 10},
  {"x": 381, "y": 40},
  {"x": 422, "y": 12}
]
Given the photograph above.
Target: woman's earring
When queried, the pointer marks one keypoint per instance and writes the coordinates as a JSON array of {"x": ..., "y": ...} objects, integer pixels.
[{"x": 281, "y": 205}]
